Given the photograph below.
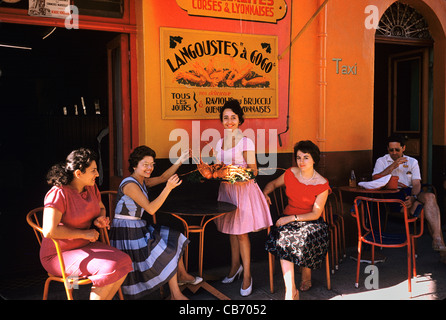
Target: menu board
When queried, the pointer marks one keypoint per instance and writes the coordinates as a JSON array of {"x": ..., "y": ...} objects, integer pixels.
[{"x": 201, "y": 70}]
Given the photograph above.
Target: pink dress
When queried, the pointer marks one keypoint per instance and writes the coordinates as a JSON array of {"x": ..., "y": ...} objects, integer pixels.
[
  {"x": 252, "y": 212},
  {"x": 99, "y": 262}
]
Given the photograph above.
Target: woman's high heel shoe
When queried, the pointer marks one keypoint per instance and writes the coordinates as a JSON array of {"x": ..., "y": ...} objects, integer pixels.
[
  {"x": 246, "y": 292},
  {"x": 230, "y": 280}
]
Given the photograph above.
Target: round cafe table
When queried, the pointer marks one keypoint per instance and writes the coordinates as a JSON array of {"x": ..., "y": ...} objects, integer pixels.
[
  {"x": 189, "y": 211},
  {"x": 367, "y": 192}
]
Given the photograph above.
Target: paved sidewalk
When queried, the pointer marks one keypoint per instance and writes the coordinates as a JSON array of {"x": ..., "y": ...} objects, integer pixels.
[
  {"x": 430, "y": 283},
  {"x": 391, "y": 278}
]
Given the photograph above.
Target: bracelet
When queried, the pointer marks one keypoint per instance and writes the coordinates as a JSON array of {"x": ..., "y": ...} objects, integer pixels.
[
  {"x": 295, "y": 218},
  {"x": 415, "y": 196}
]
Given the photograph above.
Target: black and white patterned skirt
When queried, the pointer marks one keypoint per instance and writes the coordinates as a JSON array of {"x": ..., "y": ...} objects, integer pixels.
[{"x": 305, "y": 243}]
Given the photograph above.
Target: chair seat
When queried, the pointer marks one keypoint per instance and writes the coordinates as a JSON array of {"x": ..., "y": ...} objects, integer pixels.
[
  {"x": 386, "y": 238},
  {"x": 34, "y": 219},
  {"x": 82, "y": 280}
]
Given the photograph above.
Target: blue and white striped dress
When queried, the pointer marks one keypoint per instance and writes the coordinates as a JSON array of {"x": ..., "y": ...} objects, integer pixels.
[{"x": 154, "y": 250}]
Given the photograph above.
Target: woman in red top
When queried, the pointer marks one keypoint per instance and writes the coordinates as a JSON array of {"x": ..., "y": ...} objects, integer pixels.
[
  {"x": 73, "y": 207},
  {"x": 301, "y": 235}
]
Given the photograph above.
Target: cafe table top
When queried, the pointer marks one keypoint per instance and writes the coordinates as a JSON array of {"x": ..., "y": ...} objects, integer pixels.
[
  {"x": 197, "y": 207},
  {"x": 366, "y": 192},
  {"x": 363, "y": 190}
]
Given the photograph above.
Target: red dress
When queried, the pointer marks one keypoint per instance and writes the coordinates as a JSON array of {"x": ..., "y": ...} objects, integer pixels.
[
  {"x": 301, "y": 197},
  {"x": 101, "y": 263},
  {"x": 305, "y": 243}
]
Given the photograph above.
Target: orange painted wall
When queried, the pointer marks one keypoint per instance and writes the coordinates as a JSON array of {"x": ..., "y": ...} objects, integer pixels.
[
  {"x": 345, "y": 123},
  {"x": 348, "y": 118},
  {"x": 304, "y": 74},
  {"x": 350, "y": 96}
]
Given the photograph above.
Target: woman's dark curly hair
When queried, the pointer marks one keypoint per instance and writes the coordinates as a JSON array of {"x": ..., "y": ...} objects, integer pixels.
[
  {"x": 307, "y": 146},
  {"x": 234, "y": 105},
  {"x": 138, "y": 154},
  {"x": 62, "y": 174}
]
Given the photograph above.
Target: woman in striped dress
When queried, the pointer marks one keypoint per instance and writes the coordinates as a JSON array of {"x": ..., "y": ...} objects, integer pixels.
[{"x": 156, "y": 251}]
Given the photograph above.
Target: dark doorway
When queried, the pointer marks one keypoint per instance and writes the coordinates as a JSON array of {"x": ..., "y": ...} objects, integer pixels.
[
  {"x": 403, "y": 85},
  {"x": 399, "y": 91},
  {"x": 46, "y": 73}
]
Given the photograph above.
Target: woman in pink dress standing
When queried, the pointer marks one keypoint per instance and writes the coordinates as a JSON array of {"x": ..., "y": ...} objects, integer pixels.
[
  {"x": 73, "y": 207},
  {"x": 252, "y": 212}
]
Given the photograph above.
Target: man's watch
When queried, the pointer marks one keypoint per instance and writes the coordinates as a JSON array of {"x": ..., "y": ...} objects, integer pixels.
[{"x": 415, "y": 196}]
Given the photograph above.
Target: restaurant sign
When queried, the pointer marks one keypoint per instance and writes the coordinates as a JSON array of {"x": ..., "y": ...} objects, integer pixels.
[
  {"x": 201, "y": 70},
  {"x": 252, "y": 10}
]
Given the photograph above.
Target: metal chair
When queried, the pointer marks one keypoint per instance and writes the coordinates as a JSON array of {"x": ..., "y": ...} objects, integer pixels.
[
  {"x": 339, "y": 219},
  {"x": 109, "y": 201},
  {"x": 335, "y": 221},
  {"x": 279, "y": 202},
  {"x": 34, "y": 218},
  {"x": 369, "y": 213},
  {"x": 334, "y": 237},
  {"x": 425, "y": 187}
]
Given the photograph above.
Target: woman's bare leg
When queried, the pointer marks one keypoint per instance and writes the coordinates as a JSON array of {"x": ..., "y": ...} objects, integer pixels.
[
  {"x": 175, "y": 291},
  {"x": 182, "y": 273},
  {"x": 291, "y": 292},
  {"x": 245, "y": 253},
  {"x": 235, "y": 255},
  {"x": 106, "y": 292},
  {"x": 306, "y": 279}
]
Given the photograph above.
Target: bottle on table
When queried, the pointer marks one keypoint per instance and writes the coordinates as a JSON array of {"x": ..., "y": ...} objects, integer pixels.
[{"x": 352, "y": 180}]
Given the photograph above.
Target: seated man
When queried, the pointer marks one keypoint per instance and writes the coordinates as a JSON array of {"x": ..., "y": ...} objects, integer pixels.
[{"x": 408, "y": 171}]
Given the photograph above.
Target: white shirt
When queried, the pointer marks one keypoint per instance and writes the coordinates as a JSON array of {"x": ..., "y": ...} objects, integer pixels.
[{"x": 406, "y": 172}]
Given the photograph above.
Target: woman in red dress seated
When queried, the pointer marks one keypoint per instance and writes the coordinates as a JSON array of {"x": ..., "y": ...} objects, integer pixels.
[
  {"x": 300, "y": 236},
  {"x": 72, "y": 207}
]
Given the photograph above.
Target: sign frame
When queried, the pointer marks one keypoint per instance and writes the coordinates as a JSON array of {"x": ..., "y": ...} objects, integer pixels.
[
  {"x": 187, "y": 58},
  {"x": 269, "y": 11}
]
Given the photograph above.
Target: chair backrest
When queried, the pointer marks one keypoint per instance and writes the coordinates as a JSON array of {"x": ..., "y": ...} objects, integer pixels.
[
  {"x": 34, "y": 219},
  {"x": 330, "y": 208},
  {"x": 279, "y": 201},
  {"x": 370, "y": 214},
  {"x": 109, "y": 201}
]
